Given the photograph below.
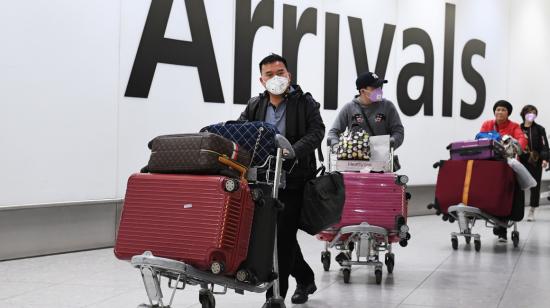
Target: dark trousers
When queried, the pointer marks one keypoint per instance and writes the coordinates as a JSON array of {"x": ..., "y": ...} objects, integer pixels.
[
  {"x": 536, "y": 172},
  {"x": 290, "y": 255}
]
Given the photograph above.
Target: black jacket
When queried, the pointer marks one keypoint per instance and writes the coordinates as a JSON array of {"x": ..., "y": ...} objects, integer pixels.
[
  {"x": 537, "y": 140},
  {"x": 304, "y": 129}
]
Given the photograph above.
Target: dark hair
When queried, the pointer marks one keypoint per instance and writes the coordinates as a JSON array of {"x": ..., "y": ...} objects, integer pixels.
[
  {"x": 505, "y": 104},
  {"x": 272, "y": 58},
  {"x": 526, "y": 109}
]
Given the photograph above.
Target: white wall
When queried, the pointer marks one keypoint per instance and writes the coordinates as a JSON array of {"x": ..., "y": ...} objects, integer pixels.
[
  {"x": 529, "y": 64},
  {"x": 58, "y": 97},
  {"x": 68, "y": 132}
]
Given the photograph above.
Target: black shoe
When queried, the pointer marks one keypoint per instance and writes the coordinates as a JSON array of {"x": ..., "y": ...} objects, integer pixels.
[{"x": 301, "y": 294}]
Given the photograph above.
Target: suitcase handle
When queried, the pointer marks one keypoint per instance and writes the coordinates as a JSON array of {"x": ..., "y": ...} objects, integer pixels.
[
  {"x": 470, "y": 152},
  {"x": 228, "y": 162}
]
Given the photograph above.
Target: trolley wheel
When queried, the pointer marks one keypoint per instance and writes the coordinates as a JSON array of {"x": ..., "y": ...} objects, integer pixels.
[
  {"x": 206, "y": 298},
  {"x": 477, "y": 245},
  {"x": 257, "y": 194},
  {"x": 515, "y": 238},
  {"x": 454, "y": 243},
  {"x": 468, "y": 239},
  {"x": 378, "y": 274},
  {"x": 390, "y": 262},
  {"x": 347, "y": 274},
  {"x": 231, "y": 185},
  {"x": 325, "y": 259}
]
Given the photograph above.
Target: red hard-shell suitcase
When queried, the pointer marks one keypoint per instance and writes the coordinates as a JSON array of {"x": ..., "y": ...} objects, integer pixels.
[
  {"x": 490, "y": 186},
  {"x": 189, "y": 218},
  {"x": 375, "y": 198}
]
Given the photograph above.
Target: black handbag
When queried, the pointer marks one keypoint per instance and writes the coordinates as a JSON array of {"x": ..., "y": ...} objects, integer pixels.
[{"x": 323, "y": 200}]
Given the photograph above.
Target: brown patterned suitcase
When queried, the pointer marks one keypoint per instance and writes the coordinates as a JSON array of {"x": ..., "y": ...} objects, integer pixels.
[{"x": 197, "y": 153}]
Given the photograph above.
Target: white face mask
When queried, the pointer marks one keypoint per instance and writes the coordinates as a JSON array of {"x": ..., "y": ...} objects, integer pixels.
[{"x": 277, "y": 85}]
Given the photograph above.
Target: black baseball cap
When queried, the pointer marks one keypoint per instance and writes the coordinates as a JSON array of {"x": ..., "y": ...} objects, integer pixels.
[{"x": 369, "y": 79}]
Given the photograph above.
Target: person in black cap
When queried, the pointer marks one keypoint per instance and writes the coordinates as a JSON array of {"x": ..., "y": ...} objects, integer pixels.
[{"x": 371, "y": 111}]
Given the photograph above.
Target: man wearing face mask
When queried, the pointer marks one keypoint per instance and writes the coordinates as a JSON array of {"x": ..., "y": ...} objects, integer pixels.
[
  {"x": 536, "y": 155},
  {"x": 371, "y": 111},
  {"x": 297, "y": 117}
]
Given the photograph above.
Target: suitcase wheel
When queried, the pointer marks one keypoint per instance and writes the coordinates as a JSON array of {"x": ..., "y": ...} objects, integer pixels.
[
  {"x": 401, "y": 180},
  {"x": 243, "y": 275},
  {"x": 217, "y": 267},
  {"x": 257, "y": 194},
  {"x": 231, "y": 185}
]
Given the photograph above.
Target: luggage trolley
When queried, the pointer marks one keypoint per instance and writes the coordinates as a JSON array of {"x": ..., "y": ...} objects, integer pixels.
[
  {"x": 367, "y": 240},
  {"x": 179, "y": 274},
  {"x": 467, "y": 216}
]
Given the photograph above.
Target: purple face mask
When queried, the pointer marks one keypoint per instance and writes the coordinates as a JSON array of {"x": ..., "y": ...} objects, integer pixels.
[
  {"x": 376, "y": 95},
  {"x": 530, "y": 117}
]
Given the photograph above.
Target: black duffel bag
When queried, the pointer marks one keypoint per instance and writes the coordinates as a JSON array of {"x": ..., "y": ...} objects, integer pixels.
[{"x": 323, "y": 200}]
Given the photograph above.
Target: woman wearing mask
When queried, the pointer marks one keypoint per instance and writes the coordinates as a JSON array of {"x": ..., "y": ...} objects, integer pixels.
[
  {"x": 502, "y": 124},
  {"x": 537, "y": 153}
]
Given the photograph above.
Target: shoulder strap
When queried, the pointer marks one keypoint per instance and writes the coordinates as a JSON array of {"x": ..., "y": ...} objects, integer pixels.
[{"x": 367, "y": 121}]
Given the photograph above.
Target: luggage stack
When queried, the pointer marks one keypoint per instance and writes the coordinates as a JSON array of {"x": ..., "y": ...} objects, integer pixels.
[
  {"x": 478, "y": 175},
  {"x": 374, "y": 216},
  {"x": 477, "y": 183},
  {"x": 193, "y": 203}
]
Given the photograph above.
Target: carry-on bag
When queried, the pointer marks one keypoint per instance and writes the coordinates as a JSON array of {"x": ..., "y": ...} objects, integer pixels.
[
  {"x": 198, "y": 153},
  {"x": 476, "y": 149},
  {"x": 257, "y": 137}
]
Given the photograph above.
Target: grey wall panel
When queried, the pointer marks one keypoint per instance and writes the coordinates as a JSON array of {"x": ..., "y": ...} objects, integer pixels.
[
  {"x": 54, "y": 228},
  {"x": 33, "y": 230}
]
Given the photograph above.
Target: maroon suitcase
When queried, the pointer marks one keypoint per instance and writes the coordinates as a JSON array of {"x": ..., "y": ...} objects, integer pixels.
[
  {"x": 189, "y": 218},
  {"x": 485, "y": 184}
]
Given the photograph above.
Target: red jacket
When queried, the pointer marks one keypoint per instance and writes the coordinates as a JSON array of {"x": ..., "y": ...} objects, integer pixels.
[{"x": 508, "y": 128}]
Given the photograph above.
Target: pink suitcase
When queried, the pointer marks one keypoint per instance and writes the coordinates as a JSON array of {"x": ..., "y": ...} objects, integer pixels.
[
  {"x": 375, "y": 198},
  {"x": 189, "y": 218}
]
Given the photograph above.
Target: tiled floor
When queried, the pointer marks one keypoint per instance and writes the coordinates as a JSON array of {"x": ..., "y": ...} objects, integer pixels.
[{"x": 428, "y": 273}]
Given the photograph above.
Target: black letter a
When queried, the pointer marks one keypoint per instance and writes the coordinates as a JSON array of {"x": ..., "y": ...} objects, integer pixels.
[{"x": 155, "y": 48}]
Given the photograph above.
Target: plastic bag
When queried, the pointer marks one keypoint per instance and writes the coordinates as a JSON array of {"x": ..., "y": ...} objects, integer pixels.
[{"x": 524, "y": 178}]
